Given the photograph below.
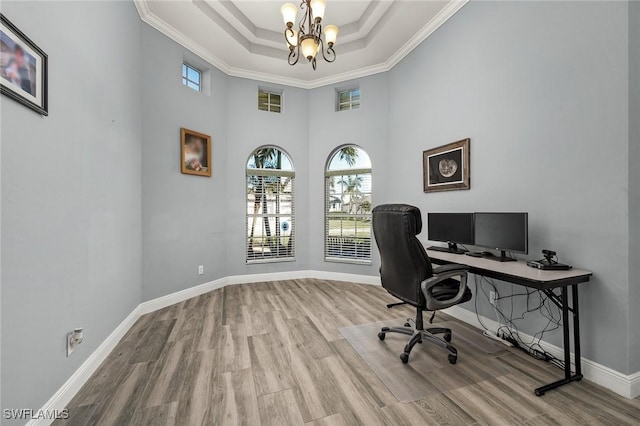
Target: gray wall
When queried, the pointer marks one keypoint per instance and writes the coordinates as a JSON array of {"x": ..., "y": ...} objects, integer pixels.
[
  {"x": 248, "y": 128},
  {"x": 367, "y": 127},
  {"x": 541, "y": 88},
  {"x": 539, "y": 84},
  {"x": 185, "y": 221},
  {"x": 184, "y": 216},
  {"x": 634, "y": 185},
  {"x": 517, "y": 96},
  {"x": 71, "y": 214},
  {"x": 192, "y": 220}
]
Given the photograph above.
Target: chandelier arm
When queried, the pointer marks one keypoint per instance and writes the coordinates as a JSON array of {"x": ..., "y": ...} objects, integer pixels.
[
  {"x": 293, "y": 56},
  {"x": 301, "y": 26},
  {"x": 330, "y": 55},
  {"x": 286, "y": 32},
  {"x": 330, "y": 52}
]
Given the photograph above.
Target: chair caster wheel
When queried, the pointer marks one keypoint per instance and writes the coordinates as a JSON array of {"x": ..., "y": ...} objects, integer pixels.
[
  {"x": 447, "y": 336},
  {"x": 404, "y": 357},
  {"x": 381, "y": 335},
  {"x": 406, "y": 324},
  {"x": 452, "y": 359}
]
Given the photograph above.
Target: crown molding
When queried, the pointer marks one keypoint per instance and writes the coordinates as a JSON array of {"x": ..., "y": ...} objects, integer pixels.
[
  {"x": 443, "y": 16},
  {"x": 240, "y": 27},
  {"x": 177, "y": 36},
  {"x": 269, "y": 43},
  {"x": 447, "y": 12}
]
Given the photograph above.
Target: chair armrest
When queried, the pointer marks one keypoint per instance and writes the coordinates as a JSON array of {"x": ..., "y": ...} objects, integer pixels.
[
  {"x": 428, "y": 284},
  {"x": 449, "y": 267}
]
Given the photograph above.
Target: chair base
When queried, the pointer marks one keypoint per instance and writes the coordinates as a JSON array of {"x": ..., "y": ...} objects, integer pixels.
[{"x": 418, "y": 336}]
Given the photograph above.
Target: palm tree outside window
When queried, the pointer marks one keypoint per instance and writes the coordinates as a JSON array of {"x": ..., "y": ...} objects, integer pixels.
[
  {"x": 348, "y": 206},
  {"x": 270, "y": 206}
]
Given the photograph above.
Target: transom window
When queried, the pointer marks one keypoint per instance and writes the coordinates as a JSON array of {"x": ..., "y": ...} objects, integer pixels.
[
  {"x": 348, "y": 99},
  {"x": 269, "y": 101},
  {"x": 270, "y": 206},
  {"x": 191, "y": 77},
  {"x": 348, "y": 206}
]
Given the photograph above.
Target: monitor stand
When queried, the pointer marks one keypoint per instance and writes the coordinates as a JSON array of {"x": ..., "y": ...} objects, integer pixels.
[
  {"x": 502, "y": 258},
  {"x": 452, "y": 248}
]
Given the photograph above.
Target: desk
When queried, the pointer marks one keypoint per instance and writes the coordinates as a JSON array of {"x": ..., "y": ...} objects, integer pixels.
[{"x": 547, "y": 281}]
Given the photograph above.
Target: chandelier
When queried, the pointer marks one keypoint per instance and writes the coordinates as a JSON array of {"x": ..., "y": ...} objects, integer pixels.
[{"x": 308, "y": 36}]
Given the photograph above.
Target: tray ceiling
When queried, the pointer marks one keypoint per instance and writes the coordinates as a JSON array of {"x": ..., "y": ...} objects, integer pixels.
[{"x": 245, "y": 38}]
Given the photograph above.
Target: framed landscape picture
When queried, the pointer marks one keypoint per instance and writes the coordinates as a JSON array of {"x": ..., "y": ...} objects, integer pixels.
[
  {"x": 23, "y": 68},
  {"x": 446, "y": 168},
  {"x": 195, "y": 153}
]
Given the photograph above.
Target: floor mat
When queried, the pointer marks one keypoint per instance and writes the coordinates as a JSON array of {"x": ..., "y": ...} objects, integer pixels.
[{"x": 428, "y": 371}]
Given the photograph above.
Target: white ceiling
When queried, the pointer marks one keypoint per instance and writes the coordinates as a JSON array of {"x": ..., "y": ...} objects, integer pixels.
[{"x": 245, "y": 38}]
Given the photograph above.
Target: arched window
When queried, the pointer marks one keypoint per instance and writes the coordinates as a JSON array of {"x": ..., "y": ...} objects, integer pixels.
[
  {"x": 348, "y": 206},
  {"x": 270, "y": 206}
]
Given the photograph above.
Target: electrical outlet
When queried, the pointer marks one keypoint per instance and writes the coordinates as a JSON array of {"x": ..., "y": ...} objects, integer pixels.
[
  {"x": 70, "y": 346},
  {"x": 201, "y": 269},
  {"x": 74, "y": 338},
  {"x": 493, "y": 297}
]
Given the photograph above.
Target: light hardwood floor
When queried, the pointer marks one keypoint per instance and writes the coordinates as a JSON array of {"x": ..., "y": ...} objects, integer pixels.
[{"x": 272, "y": 354}]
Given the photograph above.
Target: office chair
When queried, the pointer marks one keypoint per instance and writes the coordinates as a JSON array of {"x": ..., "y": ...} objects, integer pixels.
[{"x": 407, "y": 274}]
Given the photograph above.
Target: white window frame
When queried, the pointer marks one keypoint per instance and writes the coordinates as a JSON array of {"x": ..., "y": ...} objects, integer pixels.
[
  {"x": 186, "y": 80},
  {"x": 266, "y": 173},
  {"x": 271, "y": 105},
  {"x": 351, "y": 103},
  {"x": 331, "y": 248}
]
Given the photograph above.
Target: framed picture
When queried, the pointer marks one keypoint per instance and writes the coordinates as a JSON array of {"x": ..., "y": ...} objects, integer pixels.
[
  {"x": 23, "y": 68},
  {"x": 446, "y": 168},
  {"x": 195, "y": 153}
]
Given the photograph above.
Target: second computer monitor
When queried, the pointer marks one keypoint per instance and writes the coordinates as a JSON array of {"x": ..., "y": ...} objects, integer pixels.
[
  {"x": 502, "y": 231},
  {"x": 450, "y": 227}
]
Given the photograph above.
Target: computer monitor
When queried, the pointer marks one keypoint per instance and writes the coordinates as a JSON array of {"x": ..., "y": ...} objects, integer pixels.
[
  {"x": 451, "y": 228},
  {"x": 503, "y": 232}
]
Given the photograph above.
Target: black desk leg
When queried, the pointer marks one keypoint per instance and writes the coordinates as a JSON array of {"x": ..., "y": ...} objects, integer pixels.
[
  {"x": 576, "y": 331},
  {"x": 568, "y": 377}
]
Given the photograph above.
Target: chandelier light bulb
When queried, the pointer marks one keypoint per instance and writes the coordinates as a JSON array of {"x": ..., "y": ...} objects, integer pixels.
[
  {"x": 309, "y": 47},
  {"x": 317, "y": 6},
  {"x": 331, "y": 34},
  {"x": 289, "y": 12}
]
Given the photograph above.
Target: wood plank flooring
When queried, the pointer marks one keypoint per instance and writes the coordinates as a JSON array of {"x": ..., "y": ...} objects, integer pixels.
[{"x": 272, "y": 354}]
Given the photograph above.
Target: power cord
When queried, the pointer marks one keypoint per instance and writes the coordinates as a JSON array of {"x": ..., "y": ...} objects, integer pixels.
[{"x": 510, "y": 331}]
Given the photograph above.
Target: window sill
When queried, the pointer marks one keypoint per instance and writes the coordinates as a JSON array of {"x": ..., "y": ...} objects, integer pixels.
[
  {"x": 347, "y": 260},
  {"x": 274, "y": 260}
]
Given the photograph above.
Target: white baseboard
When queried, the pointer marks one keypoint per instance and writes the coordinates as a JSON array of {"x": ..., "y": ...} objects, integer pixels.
[
  {"x": 69, "y": 389},
  {"x": 341, "y": 276},
  {"x": 177, "y": 297},
  {"x": 635, "y": 385},
  {"x": 622, "y": 384},
  {"x": 625, "y": 385},
  {"x": 268, "y": 276},
  {"x": 293, "y": 275}
]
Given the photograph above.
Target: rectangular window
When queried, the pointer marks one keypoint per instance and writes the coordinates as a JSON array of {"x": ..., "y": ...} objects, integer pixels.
[
  {"x": 191, "y": 77},
  {"x": 270, "y": 216},
  {"x": 348, "y": 216},
  {"x": 348, "y": 99},
  {"x": 269, "y": 101}
]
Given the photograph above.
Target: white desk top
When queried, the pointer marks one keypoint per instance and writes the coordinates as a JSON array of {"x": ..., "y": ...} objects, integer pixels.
[{"x": 517, "y": 269}]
